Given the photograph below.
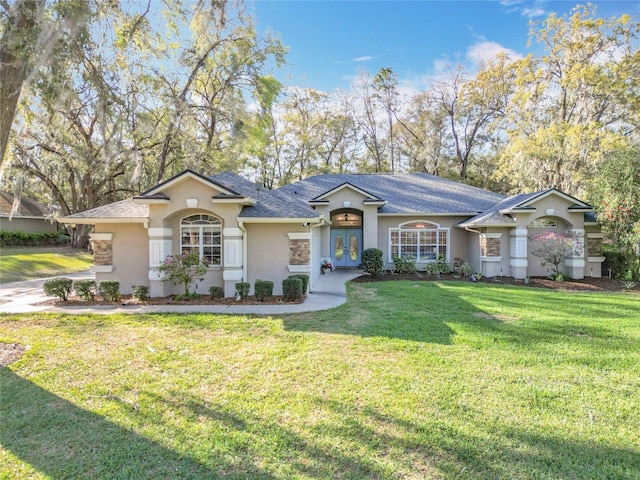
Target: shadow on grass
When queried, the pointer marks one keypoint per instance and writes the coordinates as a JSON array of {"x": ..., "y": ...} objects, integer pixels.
[
  {"x": 247, "y": 435},
  {"x": 477, "y": 451},
  {"x": 431, "y": 311},
  {"x": 61, "y": 440}
]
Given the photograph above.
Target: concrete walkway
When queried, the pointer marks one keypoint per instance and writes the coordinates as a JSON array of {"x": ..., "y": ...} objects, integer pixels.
[{"x": 328, "y": 292}]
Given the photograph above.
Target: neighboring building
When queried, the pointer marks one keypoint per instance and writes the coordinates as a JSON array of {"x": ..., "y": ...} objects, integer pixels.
[
  {"x": 31, "y": 216},
  {"x": 249, "y": 233}
]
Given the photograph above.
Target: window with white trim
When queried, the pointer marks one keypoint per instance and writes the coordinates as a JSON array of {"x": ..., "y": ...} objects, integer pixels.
[
  {"x": 421, "y": 240},
  {"x": 202, "y": 234}
]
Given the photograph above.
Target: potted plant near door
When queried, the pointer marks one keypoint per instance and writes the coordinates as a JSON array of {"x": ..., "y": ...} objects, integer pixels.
[{"x": 325, "y": 267}]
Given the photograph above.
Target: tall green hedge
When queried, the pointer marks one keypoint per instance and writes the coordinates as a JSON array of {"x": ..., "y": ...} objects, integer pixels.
[{"x": 31, "y": 239}]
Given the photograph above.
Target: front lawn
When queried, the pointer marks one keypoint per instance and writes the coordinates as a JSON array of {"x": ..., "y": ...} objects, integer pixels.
[
  {"x": 26, "y": 263},
  {"x": 406, "y": 380}
]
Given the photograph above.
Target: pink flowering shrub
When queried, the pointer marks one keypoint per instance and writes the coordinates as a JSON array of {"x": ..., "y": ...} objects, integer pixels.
[
  {"x": 553, "y": 249},
  {"x": 183, "y": 269}
]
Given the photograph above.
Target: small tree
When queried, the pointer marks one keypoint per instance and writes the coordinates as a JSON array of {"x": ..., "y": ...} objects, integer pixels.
[
  {"x": 553, "y": 249},
  {"x": 183, "y": 269}
]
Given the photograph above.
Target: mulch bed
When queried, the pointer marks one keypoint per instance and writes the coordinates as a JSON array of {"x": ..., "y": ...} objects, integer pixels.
[
  {"x": 586, "y": 284},
  {"x": 74, "y": 301}
]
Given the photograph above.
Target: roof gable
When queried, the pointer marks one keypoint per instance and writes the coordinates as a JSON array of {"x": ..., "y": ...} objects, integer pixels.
[
  {"x": 350, "y": 186},
  {"x": 527, "y": 204},
  {"x": 209, "y": 181}
]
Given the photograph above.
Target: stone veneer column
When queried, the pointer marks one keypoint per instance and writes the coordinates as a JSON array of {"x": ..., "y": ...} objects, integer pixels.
[
  {"x": 232, "y": 260},
  {"x": 575, "y": 263},
  {"x": 490, "y": 254},
  {"x": 160, "y": 247},
  {"x": 299, "y": 252},
  {"x": 102, "y": 245},
  {"x": 518, "y": 254}
]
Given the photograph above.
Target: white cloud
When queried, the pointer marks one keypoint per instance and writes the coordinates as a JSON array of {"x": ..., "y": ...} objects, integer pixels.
[
  {"x": 486, "y": 50},
  {"x": 364, "y": 58},
  {"x": 533, "y": 12}
]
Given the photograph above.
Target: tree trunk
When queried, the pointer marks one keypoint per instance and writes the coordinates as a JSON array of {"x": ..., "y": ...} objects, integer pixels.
[{"x": 16, "y": 60}]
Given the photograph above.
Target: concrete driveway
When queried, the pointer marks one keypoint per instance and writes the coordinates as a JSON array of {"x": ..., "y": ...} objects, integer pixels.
[{"x": 23, "y": 297}]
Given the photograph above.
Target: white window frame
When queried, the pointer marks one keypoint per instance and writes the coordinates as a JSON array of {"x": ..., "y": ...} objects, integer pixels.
[
  {"x": 215, "y": 260},
  {"x": 430, "y": 227}
]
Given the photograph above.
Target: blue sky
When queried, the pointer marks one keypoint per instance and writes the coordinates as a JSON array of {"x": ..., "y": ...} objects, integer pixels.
[{"x": 331, "y": 40}]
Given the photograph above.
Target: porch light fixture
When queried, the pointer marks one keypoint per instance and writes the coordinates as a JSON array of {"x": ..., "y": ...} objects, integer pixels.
[{"x": 346, "y": 217}]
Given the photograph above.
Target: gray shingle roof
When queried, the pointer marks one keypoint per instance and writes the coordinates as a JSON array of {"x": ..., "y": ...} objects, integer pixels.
[
  {"x": 418, "y": 193},
  {"x": 27, "y": 208},
  {"x": 492, "y": 215},
  {"x": 236, "y": 183},
  {"x": 278, "y": 204},
  {"x": 122, "y": 209},
  {"x": 405, "y": 193}
]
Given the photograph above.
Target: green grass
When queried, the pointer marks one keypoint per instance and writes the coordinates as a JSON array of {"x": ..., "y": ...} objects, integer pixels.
[
  {"x": 407, "y": 380},
  {"x": 26, "y": 263}
]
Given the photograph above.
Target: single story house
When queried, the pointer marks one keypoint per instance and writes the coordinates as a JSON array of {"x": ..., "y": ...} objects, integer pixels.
[
  {"x": 29, "y": 216},
  {"x": 249, "y": 233}
]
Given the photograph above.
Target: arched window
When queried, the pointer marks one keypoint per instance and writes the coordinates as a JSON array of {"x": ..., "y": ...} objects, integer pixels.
[
  {"x": 422, "y": 240},
  {"x": 201, "y": 234},
  {"x": 544, "y": 222}
]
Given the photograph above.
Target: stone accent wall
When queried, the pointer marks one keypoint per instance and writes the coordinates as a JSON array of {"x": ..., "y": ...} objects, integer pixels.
[
  {"x": 594, "y": 247},
  {"x": 299, "y": 252},
  {"x": 102, "y": 252},
  {"x": 490, "y": 247}
]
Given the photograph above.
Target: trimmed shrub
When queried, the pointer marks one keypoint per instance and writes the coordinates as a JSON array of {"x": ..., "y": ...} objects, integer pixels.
[
  {"x": 292, "y": 289},
  {"x": 58, "y": 287},
  {"x": 85, "y": 289},
  {"x": 404, "y": 264},
  {"x": 372, "y": 261},
  {"x": 242, "y": 289},
  {"x": 110, "y": 290},
  {"x": 305, "y": 281},
  {"x": 140, "y": 292},
  {"x": 216, "y": 292},
  {"x": 263, "y": 289}
]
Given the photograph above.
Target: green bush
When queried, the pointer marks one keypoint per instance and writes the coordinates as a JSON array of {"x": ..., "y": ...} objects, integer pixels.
[
  {"x": 616, "y": 262},
  {"x": 242, "y": 289},
  {"x": 31, "y": 239},
  {"x": 462, "y": 267},
  {"x": 372, "y": 261},
  {"x": 305, "y": 281},
  {"x": 110, "y": 290},
  {"x": 405, "y": 264},
  {"x": 58, "y": 287},
  {"x": 438, "y": 267},
  {"x": 140, "y": 292},
  {"x": 292, "y": 289},
  {"x": 263, "y": 289},
  {"x": 85, "y": 289},
  {"x": 216, "y": 292}
]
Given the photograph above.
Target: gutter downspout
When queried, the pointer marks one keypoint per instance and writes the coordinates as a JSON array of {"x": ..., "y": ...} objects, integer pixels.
[
  {"x": 321, "y": 223},
  {"x": 244, "y": 249}
]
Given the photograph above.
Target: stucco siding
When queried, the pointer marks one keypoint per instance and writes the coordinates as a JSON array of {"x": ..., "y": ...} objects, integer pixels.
[
  {"x": 30, "y": 225},
  {"x": 130, "y": 247},
  {"x": 268, "y": 253}
]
